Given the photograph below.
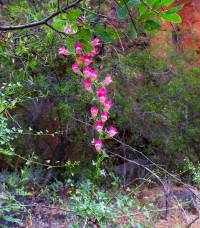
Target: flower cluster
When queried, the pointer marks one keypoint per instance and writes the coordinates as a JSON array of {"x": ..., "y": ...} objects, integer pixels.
[{"x": 91, "y": 84}]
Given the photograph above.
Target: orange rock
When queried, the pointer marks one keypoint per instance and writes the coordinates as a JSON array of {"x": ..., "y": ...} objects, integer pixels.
[{"x": 187, "y": 33}]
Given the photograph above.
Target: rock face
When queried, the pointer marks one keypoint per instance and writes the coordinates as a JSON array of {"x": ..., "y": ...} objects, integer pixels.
[
  {"x": 190, "y": 27},
  {"x": 181, "y": 36}
]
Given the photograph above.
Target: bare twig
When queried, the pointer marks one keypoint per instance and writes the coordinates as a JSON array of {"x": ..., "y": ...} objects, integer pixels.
[
  {"x": 54, "y": 29},
  {"x": 85, "y": 223},
  {"x": 148, "y": 159},
  {"x": 193, "y": 221}
]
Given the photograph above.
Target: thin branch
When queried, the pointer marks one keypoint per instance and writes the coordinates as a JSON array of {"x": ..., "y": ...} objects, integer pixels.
[
  {"x": 148, "y": 159},
  {"x": 193, "y": 221},
  {"x": 41, "y": 22},
  {"x": 58, "y": 4},
  {"x": 54, "y": 29},
  {"x": 130, "y": 15}
]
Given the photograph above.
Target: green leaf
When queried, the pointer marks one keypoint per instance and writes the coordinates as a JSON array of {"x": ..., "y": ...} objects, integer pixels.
[
  {"x": 133, "y": 31},
  {"x": 122, "y": 13},
  {"x": 174, "y": 9},
  {"x": 142, "y": 9},
  {"x": 63, "y": 16},
  {"x": 91, "y": 17},
  {"x": 151, "y": 25},
  {"x": 161, "y": 3},
  {"x": 73, "y": 15},
  {"x": 84, "y": 34},
  {"x": 70, "y": 41},
  {"x": 133, "y": 3},
  {"x": 102, "y": 33},
  {"x": 58, "y": 24},
  {"x": 151, "y": 1},
  {"x": 174, "y": 18},
  {"x": 12, "y": 219}
]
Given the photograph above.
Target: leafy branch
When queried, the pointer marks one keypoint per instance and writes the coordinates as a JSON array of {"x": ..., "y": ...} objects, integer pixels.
[{"x": 44, "y": 21}]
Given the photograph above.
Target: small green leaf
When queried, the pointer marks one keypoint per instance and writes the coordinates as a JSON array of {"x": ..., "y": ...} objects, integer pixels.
[
  {"x": 102, "y": 33},
  {"x": 174, "y": 9},
  {"x": 142, "y": 9},
  {"x": 122, "y": 13},
  {"x": 151, "y": 25},
  {"x": 58, "y": 24},
  {"x": 174, "y": 18},
  {"x": 91, "y": 17},
  {"x": 84, "y": 34},
  {"x": 133, "y": 31},
  {"x": 161, "y": 3},
  {"x": 70, "y": 41},
  {"x": 133, "y": 3},
  {"x": 73, "y": 14},
  {"x": 63, "y": 16}
]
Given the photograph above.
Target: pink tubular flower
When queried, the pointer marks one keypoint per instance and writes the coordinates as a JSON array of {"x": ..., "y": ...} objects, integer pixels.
[
  {"x": 95, "y": 42},
  {"x": 78, "y": 47},
  {"x": 112, "y": 131},
  {"x": 97, "y": 144},
  {"x": 94, "y": 111},
  {"x": 101, "y": 94},
  {"x": 94, "y": 52},
  {"x": 99, "y": 126},
  {"x": 102, "y": 98},
  {"x": 63, "y": 51},
  {"x": 87, "y": 85},
  {"x": 87, "y": 71},
  {"x": 104, "y": 117},
  {"x": 93, "y": 75},
  {"x": 87, "y": 59},
  {"x": 107, "y": 80},
  {"x": 68, "y": 30},
  {"x": 76, "y": 69},
  {"x": 107, "y": 105},
  {"x": 101, "y": 91}
]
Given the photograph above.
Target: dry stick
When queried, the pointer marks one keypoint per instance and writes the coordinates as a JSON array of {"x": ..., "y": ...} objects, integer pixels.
[
  {"x": 150, "y": 171},
  {"x": 193, "y": 221},
  {"x": 159, "y": 167},
  {"x": 41, "y": 22},
  {"x": 156, "y": 165}
]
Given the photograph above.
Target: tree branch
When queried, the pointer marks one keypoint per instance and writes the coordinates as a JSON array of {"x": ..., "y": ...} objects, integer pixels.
[{"x": 41, "y": 22}]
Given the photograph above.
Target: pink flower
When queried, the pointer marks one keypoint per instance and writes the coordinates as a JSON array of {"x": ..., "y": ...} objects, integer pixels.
[
  {"x": 78, "y": 47},
  {"x": 93, "y": 75},
  {"x": 87, "y": 85},
  {"x": 94, "y": 111},
  {"x": 95, "y": 42},
  {"x": 87, "y": 59},
  {"x": 112, "y": 131},
  {"x": 102, "y": 98},
  {"x": 104, "y": 117},
  {"x": 99, "y": 126},
  {"x": 107, "y": 80},
  {"x": 76, "y": 69},
  {"x": 68, "y": 30},
  {"x": 63, "y": 51},
  {"x": 87, "y": 71},
  {"x": 107, "y": 105},
  {"x": 97, "y": 144},
  {"x": 94, "y": 52},
  {"x": 101, "y": 91}
]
